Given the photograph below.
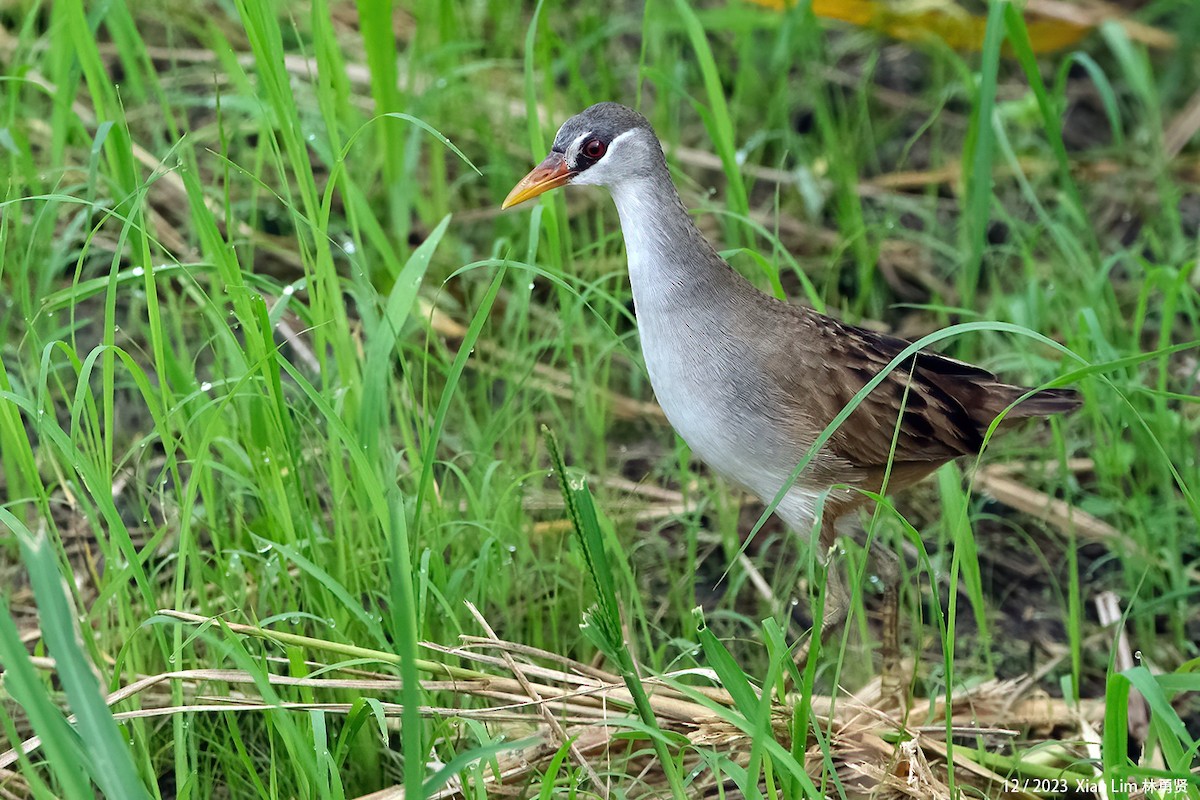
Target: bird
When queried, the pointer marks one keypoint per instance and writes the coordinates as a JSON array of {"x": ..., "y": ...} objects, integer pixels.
[{"x": 749, "y": 381}]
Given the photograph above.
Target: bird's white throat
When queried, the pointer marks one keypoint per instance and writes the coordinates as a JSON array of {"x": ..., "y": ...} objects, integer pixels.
[
  {"x": 661, "y": 242},
  {"x": 639, "y": 206}
]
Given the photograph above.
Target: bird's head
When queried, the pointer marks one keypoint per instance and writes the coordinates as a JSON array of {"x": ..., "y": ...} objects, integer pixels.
[{"x": 603, "y": 145}]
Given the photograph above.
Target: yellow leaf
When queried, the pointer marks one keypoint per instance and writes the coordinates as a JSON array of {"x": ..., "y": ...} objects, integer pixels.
[{"x": 915, "y": 22}]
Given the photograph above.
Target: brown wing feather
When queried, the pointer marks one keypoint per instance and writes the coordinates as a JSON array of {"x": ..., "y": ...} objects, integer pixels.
[{"x": 944, "y": 406}]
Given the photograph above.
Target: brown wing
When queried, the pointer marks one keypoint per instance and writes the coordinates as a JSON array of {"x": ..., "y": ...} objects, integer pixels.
[{"x": 943, "y": 406}]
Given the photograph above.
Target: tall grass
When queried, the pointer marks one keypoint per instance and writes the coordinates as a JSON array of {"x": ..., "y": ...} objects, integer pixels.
[{"x": 271, "y": 356}]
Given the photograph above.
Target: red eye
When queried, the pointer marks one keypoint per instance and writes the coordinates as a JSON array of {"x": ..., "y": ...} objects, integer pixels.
[{"x": 594, "y": 148}]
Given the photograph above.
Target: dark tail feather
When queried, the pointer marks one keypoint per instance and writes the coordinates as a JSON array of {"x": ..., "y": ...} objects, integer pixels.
[{"x": 1046, "y": 402}]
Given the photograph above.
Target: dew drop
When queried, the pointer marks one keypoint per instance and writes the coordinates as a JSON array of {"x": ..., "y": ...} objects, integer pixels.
[
  {"x": 206, "y": 386},
  {"x": 138, "y": 272}
]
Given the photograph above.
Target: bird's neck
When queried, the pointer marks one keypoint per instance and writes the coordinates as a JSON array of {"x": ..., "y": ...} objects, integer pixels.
[{"x": 669, "y": 259}]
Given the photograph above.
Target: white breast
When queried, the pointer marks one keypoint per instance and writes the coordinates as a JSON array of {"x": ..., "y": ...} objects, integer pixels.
[{"x": 681, "y": 334}]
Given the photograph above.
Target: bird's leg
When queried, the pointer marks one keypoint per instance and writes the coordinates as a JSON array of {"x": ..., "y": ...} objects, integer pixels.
[
  {"x": 836, "y": 598},
  {"x": 887, "y": 565}
]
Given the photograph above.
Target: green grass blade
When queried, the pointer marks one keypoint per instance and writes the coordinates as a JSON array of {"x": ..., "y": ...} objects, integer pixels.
[
  {"x": 1018, "y": 39},
  {"x": 382, "y": 342},
  {"x": 69, "y": 763},
  {"x": 979, "y": 155},
  {"x": 429, "y": 451},
  {"x": 609, "y": 635},
  {"x": 110, "y": 763},
  {"x": 719, "y": 117}
]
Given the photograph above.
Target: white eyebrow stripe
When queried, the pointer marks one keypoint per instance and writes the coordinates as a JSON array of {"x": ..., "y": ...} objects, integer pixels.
[
  {"x": 612, "y": 145},
  {"x": 573, "y": 147}
]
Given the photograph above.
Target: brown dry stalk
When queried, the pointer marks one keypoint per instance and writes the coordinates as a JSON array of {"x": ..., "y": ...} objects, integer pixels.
[
  {"x": 568, "y": 700},
  {"x": 1039, "y": 505}
]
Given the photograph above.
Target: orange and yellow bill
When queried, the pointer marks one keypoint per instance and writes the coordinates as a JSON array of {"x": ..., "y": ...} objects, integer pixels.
[{"x": 550, "y": 174}]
